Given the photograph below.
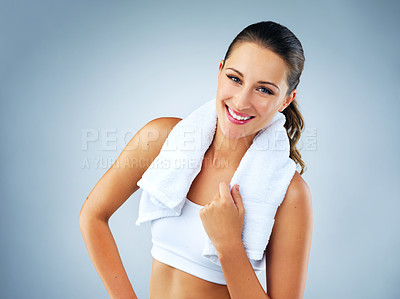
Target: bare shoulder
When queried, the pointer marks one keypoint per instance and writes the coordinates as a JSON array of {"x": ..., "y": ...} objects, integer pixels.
[
  {"x": 298, "y": 192},
  {"x": 151, "y": 136},
  {"x": 159, "y": 128},
  {"x": 162, "y": 124},
  {"x": 289, "y": 246},
  {"x": 150, "y": 139},
  {"x": 120, "y": 180}
]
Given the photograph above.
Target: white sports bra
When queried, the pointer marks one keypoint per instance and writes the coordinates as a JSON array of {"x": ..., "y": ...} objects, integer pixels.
[{"x": 178, "y": 241}]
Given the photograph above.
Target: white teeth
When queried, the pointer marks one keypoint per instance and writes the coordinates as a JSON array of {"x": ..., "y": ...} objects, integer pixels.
[{"x": 237, "y": 116}]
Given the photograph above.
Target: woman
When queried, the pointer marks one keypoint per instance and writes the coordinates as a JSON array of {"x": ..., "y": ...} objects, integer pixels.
[{"x": 258, "y": 77}]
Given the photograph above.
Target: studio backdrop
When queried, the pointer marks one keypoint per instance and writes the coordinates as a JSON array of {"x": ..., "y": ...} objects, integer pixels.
[{"x": 79, "y": 78}]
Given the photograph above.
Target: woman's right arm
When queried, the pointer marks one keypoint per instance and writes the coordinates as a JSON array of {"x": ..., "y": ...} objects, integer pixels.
[{"x": 110, "y": 192}]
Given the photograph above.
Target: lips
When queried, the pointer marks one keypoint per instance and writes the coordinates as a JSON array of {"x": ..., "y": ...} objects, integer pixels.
[{"x": 236, "y": 121}]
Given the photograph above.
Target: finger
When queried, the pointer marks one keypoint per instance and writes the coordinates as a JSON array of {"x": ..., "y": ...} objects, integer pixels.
[
  {"x": 238, "y": 198},
  {"x": 217, "y": 195},
  {"x": 224, "y": 191}
]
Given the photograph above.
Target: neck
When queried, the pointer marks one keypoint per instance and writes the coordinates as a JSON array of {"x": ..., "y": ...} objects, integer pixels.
[{"x": 225, "y": 151}]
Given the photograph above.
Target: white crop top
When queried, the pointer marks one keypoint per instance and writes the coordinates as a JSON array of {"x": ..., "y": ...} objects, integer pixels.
[{"x": 178, "y": 241}]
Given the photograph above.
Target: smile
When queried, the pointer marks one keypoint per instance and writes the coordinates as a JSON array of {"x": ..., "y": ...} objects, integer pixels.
[{"x": 236, "y": 119}]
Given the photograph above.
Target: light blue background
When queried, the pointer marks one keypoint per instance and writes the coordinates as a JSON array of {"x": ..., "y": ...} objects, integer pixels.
[{"x": 112, "y": 66}]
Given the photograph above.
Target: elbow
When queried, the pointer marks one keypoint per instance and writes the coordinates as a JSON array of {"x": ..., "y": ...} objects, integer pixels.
[
  {"x": 87, "y": 216},
  {"x": 90, "y": 215},
  {"x": 83, "y": 214},
  {"x": 83, "y": 218}
]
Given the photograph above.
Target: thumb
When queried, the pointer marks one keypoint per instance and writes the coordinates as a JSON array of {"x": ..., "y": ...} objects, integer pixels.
[{"x": 237, "y": 198}]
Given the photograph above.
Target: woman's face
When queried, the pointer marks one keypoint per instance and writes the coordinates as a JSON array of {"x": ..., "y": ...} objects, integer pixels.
[{"x": 251, "y": 83}]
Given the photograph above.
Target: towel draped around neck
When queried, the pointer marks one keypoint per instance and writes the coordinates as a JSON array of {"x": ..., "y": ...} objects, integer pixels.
[{"x": 264, "y": 174}]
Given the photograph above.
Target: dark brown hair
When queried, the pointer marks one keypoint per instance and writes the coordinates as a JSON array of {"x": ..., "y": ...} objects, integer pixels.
[{"x": 280, "y": 40}]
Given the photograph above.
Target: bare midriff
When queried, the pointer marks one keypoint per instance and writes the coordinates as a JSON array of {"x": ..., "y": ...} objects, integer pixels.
[{"x": 167, "y": 282}]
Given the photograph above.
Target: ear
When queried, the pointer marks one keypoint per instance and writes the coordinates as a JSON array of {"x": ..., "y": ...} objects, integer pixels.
[
  {"x": 221, "y": 63},
  {"x": 288, "y": 100}
]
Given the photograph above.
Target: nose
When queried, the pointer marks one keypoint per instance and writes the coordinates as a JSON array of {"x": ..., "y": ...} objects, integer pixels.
[{"x": 242, "y": 100}]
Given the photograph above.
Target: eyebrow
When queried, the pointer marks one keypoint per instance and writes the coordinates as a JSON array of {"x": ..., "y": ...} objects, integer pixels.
[{"x": 261, "y": 82}]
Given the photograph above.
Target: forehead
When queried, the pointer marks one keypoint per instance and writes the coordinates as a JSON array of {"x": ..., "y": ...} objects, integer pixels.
[{"x": 256, "y": 62}]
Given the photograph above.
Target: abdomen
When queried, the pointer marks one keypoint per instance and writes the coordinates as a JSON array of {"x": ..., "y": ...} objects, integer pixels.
[{"x": 167, "y": 282}]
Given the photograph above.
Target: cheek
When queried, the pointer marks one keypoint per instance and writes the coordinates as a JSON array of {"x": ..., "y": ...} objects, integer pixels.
[
  {"x": 225, "y": 90},
  {"x": 262, "y": 107},
  {"x": 265, "y": 109}
]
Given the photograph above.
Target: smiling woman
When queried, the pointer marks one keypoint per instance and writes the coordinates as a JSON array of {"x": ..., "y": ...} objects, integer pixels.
[{"x": 261, "y": 227}]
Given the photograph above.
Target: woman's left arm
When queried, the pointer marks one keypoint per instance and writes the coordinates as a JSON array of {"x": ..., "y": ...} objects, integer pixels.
[
  {"x": 223, "y": 222},
  {"x": 239, "y": 274}
]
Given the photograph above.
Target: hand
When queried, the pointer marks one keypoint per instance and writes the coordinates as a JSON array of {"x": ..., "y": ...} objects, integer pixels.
[{"x": 223, "y": 217}]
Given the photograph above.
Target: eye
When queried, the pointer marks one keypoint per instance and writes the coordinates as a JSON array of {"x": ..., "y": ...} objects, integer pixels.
[
  {"x": 266, "y": 90},
  {"x": 234, "y": 79}
]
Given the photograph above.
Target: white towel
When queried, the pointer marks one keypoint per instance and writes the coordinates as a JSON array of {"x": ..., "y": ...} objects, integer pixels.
[{"x": 264, "y": 174}]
